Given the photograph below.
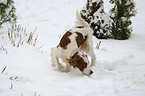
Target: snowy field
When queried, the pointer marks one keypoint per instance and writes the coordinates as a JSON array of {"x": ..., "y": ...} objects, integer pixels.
[{"x": 120, "y": 67}]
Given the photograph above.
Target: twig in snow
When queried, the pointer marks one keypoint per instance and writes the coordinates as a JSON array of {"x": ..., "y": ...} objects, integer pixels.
[
  {"x": 11, "y": 85},
  {"x": 4, "y": 69}
]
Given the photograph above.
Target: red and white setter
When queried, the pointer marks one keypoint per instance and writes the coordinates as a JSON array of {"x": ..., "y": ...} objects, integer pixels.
[{"x": 74, "y": 47}]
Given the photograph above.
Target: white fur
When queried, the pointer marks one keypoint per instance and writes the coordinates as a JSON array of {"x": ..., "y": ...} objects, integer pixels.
[{"x": 65, "y": 54}]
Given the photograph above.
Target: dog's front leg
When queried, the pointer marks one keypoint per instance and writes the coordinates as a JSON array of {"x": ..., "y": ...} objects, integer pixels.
[
  {"x": 91, "y": 53},
  {"x": 93, "y": 59},
  {"x": 67, "y": 68},
  {"x": 55, "y": 59}
]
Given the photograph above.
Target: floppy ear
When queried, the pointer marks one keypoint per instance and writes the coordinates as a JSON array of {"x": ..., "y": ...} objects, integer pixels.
[{"x": 73, "y": 60}]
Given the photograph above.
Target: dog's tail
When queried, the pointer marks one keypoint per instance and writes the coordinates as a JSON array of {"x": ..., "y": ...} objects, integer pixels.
[{"x": 80, "y": 21}]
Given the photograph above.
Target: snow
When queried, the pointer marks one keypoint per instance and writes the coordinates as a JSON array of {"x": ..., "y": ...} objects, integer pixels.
[
  {"x": 3, "y": 1},
  {"x": 119, "y": 70}
]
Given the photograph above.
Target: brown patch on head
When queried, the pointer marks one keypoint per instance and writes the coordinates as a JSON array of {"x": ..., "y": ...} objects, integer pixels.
[
  {"x": 80, "y": 39},
  {"x": 77, "y": 61},
  {"x": 65, "y": 40}
]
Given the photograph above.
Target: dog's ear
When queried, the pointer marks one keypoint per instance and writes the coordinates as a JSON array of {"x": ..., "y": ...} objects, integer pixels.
[
  {"x": 74, "y": 55},
  {"x": 73, "y": 60}
]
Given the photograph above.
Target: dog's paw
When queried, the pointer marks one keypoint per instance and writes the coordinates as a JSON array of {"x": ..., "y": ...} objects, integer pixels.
[
  {"x": 53, "y": 65},
  {"x": 66, "y": 70},
  {"x": 61, "y": 68}
]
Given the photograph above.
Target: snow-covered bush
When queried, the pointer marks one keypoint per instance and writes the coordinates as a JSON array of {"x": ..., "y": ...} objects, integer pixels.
[
  {"x": 121, "y": 14},
  {"x": 7, "y": 11},
  {"x": 117, "y": 25},
  {"x": 94, "y": 14}
]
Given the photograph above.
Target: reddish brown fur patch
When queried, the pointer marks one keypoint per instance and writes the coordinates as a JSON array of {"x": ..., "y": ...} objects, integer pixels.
[
  {"x": 80, "y": 39},
  {"x": 77, "y": 61},
  {"x": 65, "y": 40}
]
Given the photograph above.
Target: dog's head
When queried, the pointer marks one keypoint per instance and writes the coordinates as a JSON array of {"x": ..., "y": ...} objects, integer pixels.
[{"x": 81, "y": 61}]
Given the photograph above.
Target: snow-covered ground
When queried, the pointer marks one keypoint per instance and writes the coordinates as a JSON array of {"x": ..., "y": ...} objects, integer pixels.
[{"x": 120, "y": 67}]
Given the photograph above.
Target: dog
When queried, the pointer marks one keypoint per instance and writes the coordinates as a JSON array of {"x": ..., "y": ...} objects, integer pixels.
[{"x": 74, "y": 47}]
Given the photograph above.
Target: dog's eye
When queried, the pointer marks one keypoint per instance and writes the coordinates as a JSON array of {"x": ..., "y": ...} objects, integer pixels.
[{"x": 78, "y": 61}]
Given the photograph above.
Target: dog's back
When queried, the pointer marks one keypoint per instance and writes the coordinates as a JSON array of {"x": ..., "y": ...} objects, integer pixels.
[{"x": 76, "y": 39}]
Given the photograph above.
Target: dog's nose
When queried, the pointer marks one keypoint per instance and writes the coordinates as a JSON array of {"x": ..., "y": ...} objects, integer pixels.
[{"x": 91, "y": 72}]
